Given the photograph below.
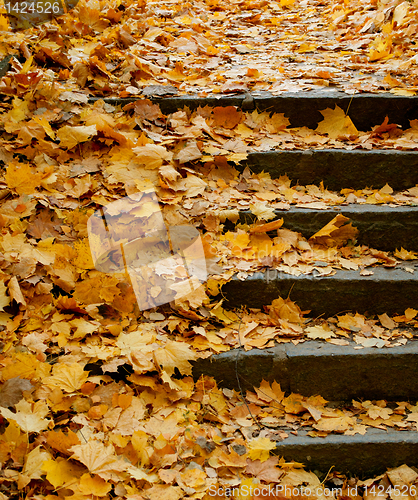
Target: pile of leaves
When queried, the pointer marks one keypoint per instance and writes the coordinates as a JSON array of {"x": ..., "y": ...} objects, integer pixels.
[{"x": 121, "y": 48}]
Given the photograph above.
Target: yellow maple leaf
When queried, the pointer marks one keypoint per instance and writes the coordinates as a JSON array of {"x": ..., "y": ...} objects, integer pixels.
[
  {"x": 336, "y": 233},
  {"x": 294, "y": 403},
  {"x": 94, "y": 485},
  {"x": 277, "y": 122},
  {"x": 262, "y": 211},
  {"x": 194, "y": 478},
  {"x": 33, "y": 466},
  {"x": 404, "y": 254},
  {"x": 30, "y": 418},
  {"x": 410, "y": 313},
  {"x": 269, "y": 393},
  {"x": 22, "y": 178},
  {"x": 83, "y": 259},
  {"x": 227, "y": 117},
  {"x": 69, "y": 378},
  {"x": 260, "y": 449},
  {"x": 175, "y": 355},
  {"x": 319, "y": 332},
  {"x": 71, "y": 136},
  {"x": 98, "y": 458},
  {"x": 43, "y": 122},
  {"x": 25, "y": 365},
  {"x": 336, "y": 124},
  {"x": 189, "y": 292},
  {"x": 380, "y": 49},
  {"x": 339, "y": 423},
  {"x": 62, "y": 471},
  {"x": 152, "y": 156}
]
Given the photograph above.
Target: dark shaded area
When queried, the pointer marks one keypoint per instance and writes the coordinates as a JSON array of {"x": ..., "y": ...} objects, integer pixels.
[
  {"x": 124, "y": 371},
  {"x": 356, "y": 169}
]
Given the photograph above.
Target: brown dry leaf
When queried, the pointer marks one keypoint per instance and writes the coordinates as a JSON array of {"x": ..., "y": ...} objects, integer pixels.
[
  {"x": 265, "y": 471},
  {"x": 387, "y": 322},
  {"x": 402, "y": 476},
  {"x": 227, "y": 117},
  {"x": 62, "y": 442},
  {"x": 11, "y": 392},
  {"x": 189, "y": 153},
  {"x": 164, "y": 492}
]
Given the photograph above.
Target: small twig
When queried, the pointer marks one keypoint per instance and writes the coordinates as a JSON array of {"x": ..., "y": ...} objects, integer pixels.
[
  {"x": 326, "y": 477},
  {"x": 349, "y": 104}
]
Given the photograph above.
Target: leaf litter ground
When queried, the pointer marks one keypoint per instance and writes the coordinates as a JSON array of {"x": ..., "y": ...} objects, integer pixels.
[{"x": 156, "y": 434}]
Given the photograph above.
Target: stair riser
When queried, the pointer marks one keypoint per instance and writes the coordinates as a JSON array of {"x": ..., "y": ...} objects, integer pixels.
[
  {"x": 337, "y": 373},
  {"x": 387, "y": 290},
  {"x": 364, "y": 456},
  {"x": 339, "y": 169},
  {"x": 385, "y": 228}
]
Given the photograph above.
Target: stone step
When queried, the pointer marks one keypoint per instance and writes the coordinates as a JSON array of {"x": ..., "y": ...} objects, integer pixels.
[
  {"x": 380, "y": 226},
  {"x": 388, "y": 291},
  {"x": 337, "y": 168},
  {"x": 337, "y": 373},
  {"x": 303, "y": 109},
  {"x": 361, "y": 455}
]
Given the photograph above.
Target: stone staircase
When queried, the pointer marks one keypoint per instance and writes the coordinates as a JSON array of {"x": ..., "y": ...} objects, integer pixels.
[{"x": 338, "y": 373}]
